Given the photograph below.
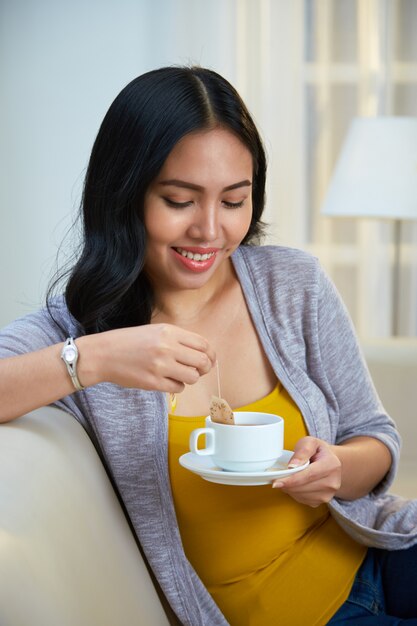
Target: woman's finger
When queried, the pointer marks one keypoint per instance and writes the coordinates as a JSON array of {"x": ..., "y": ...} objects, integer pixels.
[
  {"x": 194, "y": 358},
  {"x": 197, "y": 343}
]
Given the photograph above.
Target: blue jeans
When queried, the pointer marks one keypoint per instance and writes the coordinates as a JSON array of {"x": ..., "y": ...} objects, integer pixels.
[{"x": 384, "y": 591}]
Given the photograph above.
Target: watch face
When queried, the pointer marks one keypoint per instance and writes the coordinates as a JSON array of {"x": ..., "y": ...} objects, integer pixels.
[{"x": 70, "y": 354}]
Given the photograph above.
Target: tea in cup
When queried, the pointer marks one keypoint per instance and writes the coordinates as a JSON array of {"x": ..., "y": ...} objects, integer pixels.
[{"x": 252, "y": 444}]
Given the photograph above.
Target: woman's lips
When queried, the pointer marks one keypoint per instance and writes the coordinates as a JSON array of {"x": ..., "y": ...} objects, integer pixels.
[{"x": 196, "y": 259}]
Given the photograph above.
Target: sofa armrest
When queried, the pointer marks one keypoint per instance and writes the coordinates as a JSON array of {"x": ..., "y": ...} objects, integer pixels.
[
  {"x": 393, "y": 366},
  {"x": 67, "y": 554}
]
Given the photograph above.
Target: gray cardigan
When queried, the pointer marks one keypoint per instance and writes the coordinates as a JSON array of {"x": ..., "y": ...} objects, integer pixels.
[{"x": 310, "y": 343}]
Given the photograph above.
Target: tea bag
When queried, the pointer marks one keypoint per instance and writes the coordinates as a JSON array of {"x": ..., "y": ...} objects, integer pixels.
[{"x": 220, "y": 411}]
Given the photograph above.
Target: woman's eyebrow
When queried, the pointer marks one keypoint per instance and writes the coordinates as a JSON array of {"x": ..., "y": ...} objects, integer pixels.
[{"x": 186, "y": 185}]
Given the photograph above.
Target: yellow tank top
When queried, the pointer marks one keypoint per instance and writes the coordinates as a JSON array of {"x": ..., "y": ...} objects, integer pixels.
[{"x": 264, "y": 558}]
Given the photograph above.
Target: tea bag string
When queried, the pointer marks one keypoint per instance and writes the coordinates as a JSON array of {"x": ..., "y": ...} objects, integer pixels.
[
  {"x": 218, "y": 379},
  {"x": 172, "y": 397},
  {"x": 220, "y": 411}
]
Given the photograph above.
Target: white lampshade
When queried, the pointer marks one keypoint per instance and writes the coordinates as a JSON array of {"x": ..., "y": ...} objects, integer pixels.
[{"x": 376, "y": 173}]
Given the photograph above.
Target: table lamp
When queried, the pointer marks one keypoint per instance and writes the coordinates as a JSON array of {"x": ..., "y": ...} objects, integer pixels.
[{"x": 376, "y": 176}]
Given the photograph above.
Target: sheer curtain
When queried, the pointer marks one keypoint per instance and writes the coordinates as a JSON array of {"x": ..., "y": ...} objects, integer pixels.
[
  {"x": 306, "y": 68},
  {"x": 360, "y": 58}
]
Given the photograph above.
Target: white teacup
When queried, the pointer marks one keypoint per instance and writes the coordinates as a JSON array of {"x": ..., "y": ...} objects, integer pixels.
[{"x": 253, "y": 444}]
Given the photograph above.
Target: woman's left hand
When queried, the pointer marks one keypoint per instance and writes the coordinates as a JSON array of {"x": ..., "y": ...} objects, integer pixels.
[{"x": 320, "y": 481}]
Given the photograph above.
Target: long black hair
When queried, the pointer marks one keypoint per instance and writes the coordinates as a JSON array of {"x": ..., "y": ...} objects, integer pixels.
[{"x": 107, "y": 287}]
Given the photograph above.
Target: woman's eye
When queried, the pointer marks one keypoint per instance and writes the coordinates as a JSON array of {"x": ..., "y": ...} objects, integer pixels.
[
  {"x": 233, "y": 205},
  {"x": 177, "y": 205}
]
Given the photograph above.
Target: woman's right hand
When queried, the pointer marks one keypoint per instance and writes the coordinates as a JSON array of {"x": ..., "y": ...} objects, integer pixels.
[{"x": 160, "y": 357}]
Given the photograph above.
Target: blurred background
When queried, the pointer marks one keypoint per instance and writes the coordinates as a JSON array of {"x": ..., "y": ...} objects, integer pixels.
[{"x": 306, "y": 69}]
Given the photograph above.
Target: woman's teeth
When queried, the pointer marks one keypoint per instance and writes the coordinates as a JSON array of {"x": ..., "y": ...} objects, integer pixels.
[{"x": 195, "y": 256}]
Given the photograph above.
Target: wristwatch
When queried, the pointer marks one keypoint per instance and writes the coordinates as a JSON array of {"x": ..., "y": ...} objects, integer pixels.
[{"x": 69, "y": 355}]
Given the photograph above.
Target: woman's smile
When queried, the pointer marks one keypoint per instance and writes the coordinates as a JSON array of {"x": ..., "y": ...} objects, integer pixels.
[{"x": 195, "y": 259}]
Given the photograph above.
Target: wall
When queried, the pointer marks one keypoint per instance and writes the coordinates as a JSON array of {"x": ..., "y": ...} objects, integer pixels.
[{"x": 61, "y": 65}]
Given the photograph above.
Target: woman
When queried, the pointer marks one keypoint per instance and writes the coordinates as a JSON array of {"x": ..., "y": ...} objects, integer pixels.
[{"x": 165, "y": 287}]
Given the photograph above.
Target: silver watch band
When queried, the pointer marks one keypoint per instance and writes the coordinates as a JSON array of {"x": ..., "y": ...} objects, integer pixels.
[{"x": 69, "y": 355}]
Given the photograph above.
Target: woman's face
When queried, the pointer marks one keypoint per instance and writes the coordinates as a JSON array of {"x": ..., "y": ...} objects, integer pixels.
[{"x": 198, "y": 209}]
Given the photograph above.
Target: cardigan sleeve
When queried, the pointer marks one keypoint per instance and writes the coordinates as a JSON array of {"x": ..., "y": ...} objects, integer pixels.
[
  {"x": 360, "y": 410},
  {"x": 28, "y": 334},
  {"x": 39, "y": 330}
]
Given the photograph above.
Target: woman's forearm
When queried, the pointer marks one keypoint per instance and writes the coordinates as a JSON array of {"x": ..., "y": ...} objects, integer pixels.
[
  {"x": 36, "y": 379},
  {"x": 159, "y": 357},
  {"x": 32, "y": 380},
  {"x": 365, "y": 461}
]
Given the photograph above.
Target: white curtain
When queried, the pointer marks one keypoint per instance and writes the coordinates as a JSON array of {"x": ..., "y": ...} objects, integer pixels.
[
  {"x": 307, "y": 67},
  {"x": 360, "y": 59}
]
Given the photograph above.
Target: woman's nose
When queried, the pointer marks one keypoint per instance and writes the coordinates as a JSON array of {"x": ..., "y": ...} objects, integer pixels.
[{"x": 205, "y": 224}]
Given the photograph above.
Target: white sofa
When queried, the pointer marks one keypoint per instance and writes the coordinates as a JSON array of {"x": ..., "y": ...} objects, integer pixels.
[
  {"x": 393, "y": 366},
  {"x": 67, "y": 555}
]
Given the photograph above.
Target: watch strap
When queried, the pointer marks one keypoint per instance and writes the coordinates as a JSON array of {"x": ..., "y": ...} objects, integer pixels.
[{"x": 69, "y": 355}]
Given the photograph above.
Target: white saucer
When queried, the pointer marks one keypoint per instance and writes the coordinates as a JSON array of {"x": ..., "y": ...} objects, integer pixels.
[{"x": 204, "y": 467}]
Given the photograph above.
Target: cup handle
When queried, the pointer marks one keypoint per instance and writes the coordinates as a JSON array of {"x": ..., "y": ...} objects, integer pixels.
[{"x": 209, "y": 449}]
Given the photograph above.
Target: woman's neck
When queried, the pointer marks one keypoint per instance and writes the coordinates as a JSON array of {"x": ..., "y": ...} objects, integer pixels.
[{"x": 186, "y": 306}]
